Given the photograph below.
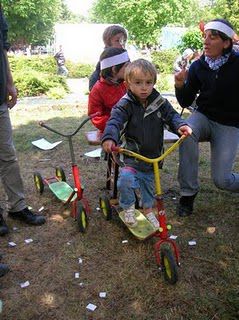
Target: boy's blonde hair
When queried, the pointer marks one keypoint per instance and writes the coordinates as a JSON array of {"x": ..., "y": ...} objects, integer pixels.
[{"x": 140, "y": 65}]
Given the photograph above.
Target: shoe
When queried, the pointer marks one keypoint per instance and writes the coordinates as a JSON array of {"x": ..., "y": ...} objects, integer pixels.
[
  {"x": 129, "y": 217},
  {"x": 153, "y": 220},
  {"x": 3, "y": 269},
  {"x": 28, "y": 216},
  {"x": 3, "y": 226},
  {"x": 185, "y": 206}
]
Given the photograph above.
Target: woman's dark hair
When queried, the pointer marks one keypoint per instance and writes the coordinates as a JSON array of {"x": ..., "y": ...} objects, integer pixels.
[
  {"x": 107, "y": 53},
  {"x": 111, "y": 31},
  {"x": 223, "y": 36}
]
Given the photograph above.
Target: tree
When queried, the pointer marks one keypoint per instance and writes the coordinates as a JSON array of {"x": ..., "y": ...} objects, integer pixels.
[
  {"x": 31, "y": 21},
  {"x": 228, "y": 9},
  {"x": 144, "y": 18}
]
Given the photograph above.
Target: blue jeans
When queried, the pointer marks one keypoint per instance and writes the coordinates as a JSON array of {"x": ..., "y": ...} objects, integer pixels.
[
  {"x": 224, "y": 142},
  {"x": 130, "y": 180}
]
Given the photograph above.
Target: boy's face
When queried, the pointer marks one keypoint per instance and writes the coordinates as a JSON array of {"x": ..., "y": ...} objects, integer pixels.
[
  {"x": 141, "y": 85},
  {"x": 118, "y": 41}
]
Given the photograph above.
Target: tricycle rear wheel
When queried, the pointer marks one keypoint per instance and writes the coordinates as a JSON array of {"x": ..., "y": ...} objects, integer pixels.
[
  {"x": 38, "y": 181},
  {"x": 106, "y": 207},
  {"x": 60, "y": 174},
  {"x": 81, "y": 217}
]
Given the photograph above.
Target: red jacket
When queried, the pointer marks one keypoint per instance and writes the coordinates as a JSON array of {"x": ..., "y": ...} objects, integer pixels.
[{"x": 103, "y": 96}]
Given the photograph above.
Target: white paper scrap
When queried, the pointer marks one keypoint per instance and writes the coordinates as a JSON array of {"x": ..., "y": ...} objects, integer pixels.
[
  {"x": 81, "y": 284},
  {"x": 98, "y": 209},
  {"x": 44, "y": 144},
  {"x": 102, "y": 294},
  {"x": 173, "y": 237},
  {"x": 11, "y": 244},
  {"x": 77, "y": 275},
  {"x": 91, "y": 307},
  {"x": 192, "y": 243},
  {"x": 125, "y": 241},
  {"x": 25, "y": 284},
  {"x": 42, "y": 208},
  {"x": 80, "y": 260},
  {"x": 94, "y": 154},
  {"x": 14, "y": 228},
  {"x": 28, "y": 240}
]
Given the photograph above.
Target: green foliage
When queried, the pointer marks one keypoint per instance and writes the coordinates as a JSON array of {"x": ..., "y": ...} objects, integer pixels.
[
  {"x": 164, "y": 60},
  {"x": 31, "y": 21},
  {"x": 192, "y": 39},
  {"x": 79, "y": 70},
  {"x": 229, "y": 10},
  {"x": 145, "y": 18},
  {"x": 165, "y": 83},
  {"x": 34, "y": 76}
]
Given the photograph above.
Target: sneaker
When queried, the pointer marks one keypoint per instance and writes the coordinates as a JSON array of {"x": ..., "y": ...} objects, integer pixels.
[
  {"x": 3, "y": 269},
  {"x": 3, "y": 226},
  {"x": 129, "y": 217},
  {"x": 185, "y": 206},
  {"x": 153, "y": 220},
  {"x": 28, "y": 216}
]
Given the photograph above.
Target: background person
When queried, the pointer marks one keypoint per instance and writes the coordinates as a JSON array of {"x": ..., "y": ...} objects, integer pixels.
[
  {"x": 9, "y": 168},
  {"x": 110, "y": 88},
  {"x": 60, "y": 60},
  {"x": 137, "y": 122},
  {"x": 215, "y": 78},
  {"x": 114, "y": 36}
]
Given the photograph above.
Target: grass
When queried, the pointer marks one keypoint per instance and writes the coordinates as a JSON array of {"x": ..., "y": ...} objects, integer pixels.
[{"x": 208, "y": 286}]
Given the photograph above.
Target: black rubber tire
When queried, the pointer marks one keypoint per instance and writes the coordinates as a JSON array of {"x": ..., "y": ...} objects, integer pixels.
[
  {"x": 81, "y": 217},
  {"x": 60, "y": 174},
  {"x": 38, "y": 181},
  {"x": 169, "y": 266},
  {"x": 105, "y": 207}
]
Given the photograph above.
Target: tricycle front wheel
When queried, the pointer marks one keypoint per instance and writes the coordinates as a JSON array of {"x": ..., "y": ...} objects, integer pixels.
[
  {"x": 81, "y": 217},
  {"x": 168, "y": 265}
]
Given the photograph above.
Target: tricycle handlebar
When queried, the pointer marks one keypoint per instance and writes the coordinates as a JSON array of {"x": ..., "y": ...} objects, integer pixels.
[
  {"x": 42, "y": 124},
  {"x": 149, "y": 160}
]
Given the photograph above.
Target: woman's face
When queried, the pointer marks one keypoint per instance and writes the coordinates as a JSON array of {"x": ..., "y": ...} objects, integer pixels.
[
  {"x": 214, "y": 45},
  {"x": 118, "y": 41}
]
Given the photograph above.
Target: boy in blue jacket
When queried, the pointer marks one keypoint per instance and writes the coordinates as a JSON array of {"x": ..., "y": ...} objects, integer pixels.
[{"x": 137, "y": 123}]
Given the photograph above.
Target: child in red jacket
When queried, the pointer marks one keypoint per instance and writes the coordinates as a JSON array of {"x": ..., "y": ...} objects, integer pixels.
[{"x": 110, "y": 88}]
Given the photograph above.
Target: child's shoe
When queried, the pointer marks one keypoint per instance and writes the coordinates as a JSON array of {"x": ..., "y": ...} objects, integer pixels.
[
  {"x": 153, "y": 220},
  {"x": 129, "y": 217}
]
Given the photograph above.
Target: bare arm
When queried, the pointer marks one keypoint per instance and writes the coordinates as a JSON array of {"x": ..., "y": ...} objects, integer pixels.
[{"x": 11, "y": 89}]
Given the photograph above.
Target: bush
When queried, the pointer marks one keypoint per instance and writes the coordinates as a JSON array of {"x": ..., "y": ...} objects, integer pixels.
[
  {"x": 192, "y": 39},
  {"x": 164, "y": 60},
  {"x": 79, "y": 70}
]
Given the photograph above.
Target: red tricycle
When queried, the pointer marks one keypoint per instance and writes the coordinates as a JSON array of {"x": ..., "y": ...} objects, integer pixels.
[
  {"x": 165, "y": 249},
  {"x": 61, "y": 189}
]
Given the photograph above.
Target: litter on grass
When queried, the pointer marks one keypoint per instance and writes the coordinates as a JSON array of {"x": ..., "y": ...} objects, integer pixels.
[
  {"x": 91, "y": 307},
  {"x": 102, "y": 294},
  {"x": 77, "y": 275},
  {"x": 192, "y": 243},
  {"x": 44, "y": 144},
  {"x": 125, "y": 241},
  {"x": 42, "y": 208},
  {"x": 173, "y": 237},
  {"x": 25, "y": 284},
  {"x": 28, "y": 241},
  {"x": 12, "y": 244}
]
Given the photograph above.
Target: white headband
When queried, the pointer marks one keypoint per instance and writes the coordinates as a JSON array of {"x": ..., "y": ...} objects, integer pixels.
[
  {"x": 114, "y": 61},
  {"x": 220, "y": 26}
]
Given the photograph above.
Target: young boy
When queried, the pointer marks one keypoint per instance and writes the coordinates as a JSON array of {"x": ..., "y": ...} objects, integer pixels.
[{"x": 137, "y": 123}]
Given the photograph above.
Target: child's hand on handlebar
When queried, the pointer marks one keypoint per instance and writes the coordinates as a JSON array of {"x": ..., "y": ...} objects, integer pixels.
[
  {"x": 107, "y": 145},
  {"x": 185, "y": 130}
]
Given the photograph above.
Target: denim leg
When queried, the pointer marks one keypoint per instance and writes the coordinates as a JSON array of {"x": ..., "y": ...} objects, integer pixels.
[
  {"x": 189, "y": 154},
  {"x": 126, "y": 185},
  {"x": 224, "y": 147},
  {"x": 146, "y": 185},
  {"x": 9, "y": 168}
]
